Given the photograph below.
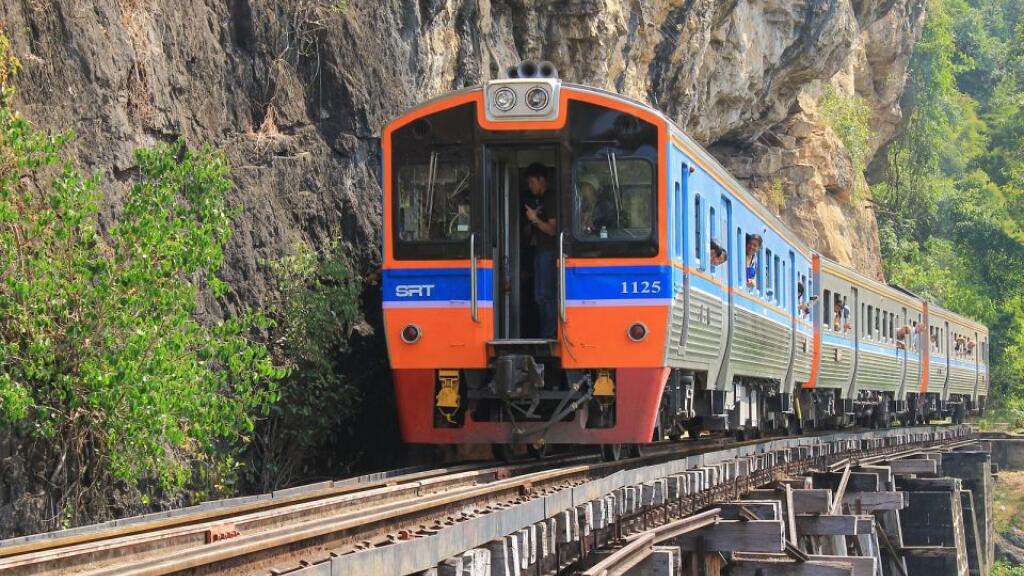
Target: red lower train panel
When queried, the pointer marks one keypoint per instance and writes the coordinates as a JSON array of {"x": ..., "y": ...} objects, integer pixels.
[{"x": 638, "y": 394}]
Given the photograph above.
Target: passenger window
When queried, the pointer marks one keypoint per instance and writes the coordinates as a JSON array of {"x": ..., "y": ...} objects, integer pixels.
[
  {"x": 752, "y": 261},
  {"x": 434, "y": 198},
  {"x": 784, "y": 289},
  {"x": 740, "y": 278},
  {"x": 678, "y": 219},
  {"x": 769, "y": 293},
  {"x": 885, "y": 327},
  {"x": 613, "y": 205},
  {"x": 863, "y": 329},
  {"x": 825, "y": 303},
  {"x": 839, "y": 316},
  {"x": 698, "y": 236},
  {"x": 871, "y": 313},
  {"x": 777, "y": 283},
  {"x": 878, "y": 323}
]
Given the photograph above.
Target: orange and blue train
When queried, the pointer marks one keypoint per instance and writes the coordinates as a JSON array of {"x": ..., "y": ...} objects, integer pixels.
[{"x": 683, "y": 304}]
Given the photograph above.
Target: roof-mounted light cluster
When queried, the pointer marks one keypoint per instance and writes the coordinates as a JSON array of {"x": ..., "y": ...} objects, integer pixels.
[{"x": 529, "y": 93}]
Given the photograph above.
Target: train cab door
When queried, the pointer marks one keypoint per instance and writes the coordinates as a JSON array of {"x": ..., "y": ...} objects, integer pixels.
[
  {"x": 947, "y": 339},
  {"x": 977, "y": 371},
  {"x": 901, "y": 355},
  {"x": 506, "y": 286},
  {"x": 511, "y": 248},
  {"x": 854, "y": 336},
  {"x": 721, "y": 224},
  {"x": 791, "y": 309}
]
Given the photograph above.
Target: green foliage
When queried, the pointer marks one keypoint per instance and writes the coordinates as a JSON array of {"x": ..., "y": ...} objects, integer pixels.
[
  {"x": 102, "y": 360},
  {"x": 316, "y": 306},
  {"x": 849, "y": 116},
  {"x": 951, "y": 206},
  {"x": 1004, "y": 569}
]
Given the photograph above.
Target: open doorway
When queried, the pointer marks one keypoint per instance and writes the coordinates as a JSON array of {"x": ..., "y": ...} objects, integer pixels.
[{"x": 524, "y": 240}]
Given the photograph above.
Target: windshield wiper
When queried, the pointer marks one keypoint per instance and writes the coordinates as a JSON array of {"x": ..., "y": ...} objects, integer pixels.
[{"x": 613, "y": 169}]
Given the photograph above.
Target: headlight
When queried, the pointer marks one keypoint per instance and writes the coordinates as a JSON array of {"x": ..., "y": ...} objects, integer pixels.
[
  {"x": 504, "y": 99},
  {"x": 537, "y": 98},
  {"x": 637, "y": 332},
  {"x": 411, "y": 334}
]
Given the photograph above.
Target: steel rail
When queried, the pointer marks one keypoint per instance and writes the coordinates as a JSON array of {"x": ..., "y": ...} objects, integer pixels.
[
  {"x": 180, "y": 534},
  {"x": 321, "y": 526},
  {"x": 191, "y": 530},
  {"x": 641, "y": 544},
  {"x": 347, "y": 533},
  {"x": 59, "y": 541}
]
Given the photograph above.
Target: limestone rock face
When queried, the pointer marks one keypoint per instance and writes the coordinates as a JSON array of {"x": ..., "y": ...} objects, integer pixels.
[{"x": 297, "y": 91}]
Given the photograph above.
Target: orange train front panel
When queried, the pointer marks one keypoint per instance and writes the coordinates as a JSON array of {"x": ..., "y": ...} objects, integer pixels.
[
  {"x": 616, "y": 315},
  {"x": 436, "y": 305},
  {"x": 638, "y": 393}
]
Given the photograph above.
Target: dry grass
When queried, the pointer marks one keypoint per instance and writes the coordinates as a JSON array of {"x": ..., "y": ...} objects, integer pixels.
[{"x": 1009, "y": 501}]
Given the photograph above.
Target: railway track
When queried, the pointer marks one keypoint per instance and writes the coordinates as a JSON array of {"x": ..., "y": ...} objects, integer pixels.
[
  {"x": 159, "y": 546},
  {"x": 313, "y": 526}
]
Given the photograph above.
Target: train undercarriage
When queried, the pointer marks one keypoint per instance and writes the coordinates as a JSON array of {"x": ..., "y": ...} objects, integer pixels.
[{"x": 526, "y": 398}]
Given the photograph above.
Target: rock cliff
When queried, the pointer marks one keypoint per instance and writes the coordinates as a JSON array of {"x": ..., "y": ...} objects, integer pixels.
[{"x": 296, "y": 92}]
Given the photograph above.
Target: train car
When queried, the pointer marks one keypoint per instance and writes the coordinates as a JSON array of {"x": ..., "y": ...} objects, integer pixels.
[
  {"x": 740, "y": 338},
  {"x": 957, "y": 349},
  {"x": 563, "y": 265},
  {"x": 869, "y": 363}
]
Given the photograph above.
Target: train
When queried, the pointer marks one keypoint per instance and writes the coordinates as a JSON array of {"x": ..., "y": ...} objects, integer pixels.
[{"x": 564, "y": 265}]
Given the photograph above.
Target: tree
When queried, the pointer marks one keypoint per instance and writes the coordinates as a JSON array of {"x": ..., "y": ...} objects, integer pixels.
[
  {"x": 951, "y": 207},
  {"x": 106, "y": 376}
]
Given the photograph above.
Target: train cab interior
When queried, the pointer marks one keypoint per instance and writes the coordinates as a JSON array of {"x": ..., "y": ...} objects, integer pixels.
[{"x": 515, "y": 241}]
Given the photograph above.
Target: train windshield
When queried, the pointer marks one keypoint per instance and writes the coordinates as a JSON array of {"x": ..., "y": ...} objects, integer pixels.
[
  {"x": 613, "y": 191},
  {"x": 612, "y": 197},
  {"x": 434, "y": 200}
]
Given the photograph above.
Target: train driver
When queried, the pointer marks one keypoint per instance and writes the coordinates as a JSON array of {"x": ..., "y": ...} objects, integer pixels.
[
  {"x": 753, "y": 248},
  {"x": 596, "y": 212},
  {"x": 540, "y": 213}
]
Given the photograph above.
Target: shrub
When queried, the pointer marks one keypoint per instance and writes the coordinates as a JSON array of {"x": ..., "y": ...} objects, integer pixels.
[
  {"x": 104, "y": 368},
  {"x": 849, "y": 117},
  {"x": 316, "y": 306}
]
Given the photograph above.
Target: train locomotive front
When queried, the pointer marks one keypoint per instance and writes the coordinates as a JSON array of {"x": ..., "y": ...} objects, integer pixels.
[{"x": 462, "y": 301}]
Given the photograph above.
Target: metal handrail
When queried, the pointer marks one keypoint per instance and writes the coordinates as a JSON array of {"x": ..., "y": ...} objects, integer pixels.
[
  {"x": 472, "y": 278},
  {"x": 561, "y": 276}
]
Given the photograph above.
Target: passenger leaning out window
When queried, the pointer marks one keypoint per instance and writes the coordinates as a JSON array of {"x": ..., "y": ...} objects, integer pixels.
[
  {"x": 718, "y": 254},
  {"x": 753, "y": 249}
]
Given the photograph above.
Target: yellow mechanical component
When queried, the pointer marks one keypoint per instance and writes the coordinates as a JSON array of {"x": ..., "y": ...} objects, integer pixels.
[
  {"x": 448, "y": 395},
  {"x": 604, "y": 385}
]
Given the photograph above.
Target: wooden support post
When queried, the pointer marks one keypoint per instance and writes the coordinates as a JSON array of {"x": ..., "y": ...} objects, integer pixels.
[
  {"x": 766, "y": 510},
  {"x": 815, "y": 525},
  {"x": 813, "y": 501},
  {"x": 790, "y": 516},
  {"x": 915, "y": 466},
  {"x": 868, "y": 502},
  {"x": 855, "y": 481},
  {"x": 745, "y": 564},
  {"x": 732, "y": 536}
]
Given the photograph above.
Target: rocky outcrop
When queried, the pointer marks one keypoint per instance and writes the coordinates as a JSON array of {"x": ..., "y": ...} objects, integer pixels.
[{"x": 296, "y": 92}]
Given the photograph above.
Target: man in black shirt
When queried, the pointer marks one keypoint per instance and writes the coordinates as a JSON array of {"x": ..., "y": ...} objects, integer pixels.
[{"x": 541, "y": 206}]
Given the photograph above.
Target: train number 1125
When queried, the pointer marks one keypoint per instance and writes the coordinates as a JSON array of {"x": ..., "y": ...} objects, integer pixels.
[{"x": 642, "y": 287}]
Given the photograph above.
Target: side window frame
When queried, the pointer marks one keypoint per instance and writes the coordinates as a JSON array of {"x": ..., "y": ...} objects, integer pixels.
[
  {"x": 698, "y": 236},
  {"x": 826, "y": 303}
]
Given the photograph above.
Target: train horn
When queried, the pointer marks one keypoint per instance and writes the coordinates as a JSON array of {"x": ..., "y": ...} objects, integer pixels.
[
  {"x": 512, "y": 72},
  {"x": 546, "y": 69},
  {"x": 527, "y": 69}
]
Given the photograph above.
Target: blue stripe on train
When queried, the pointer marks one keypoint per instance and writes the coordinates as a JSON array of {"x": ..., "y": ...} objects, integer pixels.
[
  {"x": 435, "y": 285},
  {"x": 620, "y": 284}
]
